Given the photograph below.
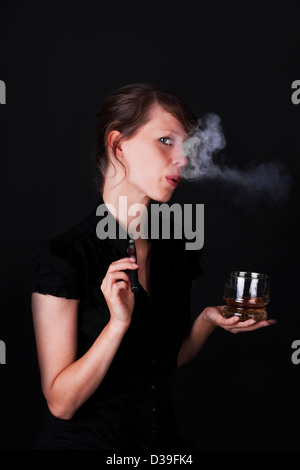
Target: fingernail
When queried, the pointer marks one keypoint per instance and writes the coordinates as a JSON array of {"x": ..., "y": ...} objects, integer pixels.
[{"x": 251, "y": 322}]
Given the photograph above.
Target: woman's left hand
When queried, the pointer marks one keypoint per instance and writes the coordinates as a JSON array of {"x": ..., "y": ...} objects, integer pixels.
[
  {"x": 205, "y": 324},
  {"x": 214, "y": 316}
]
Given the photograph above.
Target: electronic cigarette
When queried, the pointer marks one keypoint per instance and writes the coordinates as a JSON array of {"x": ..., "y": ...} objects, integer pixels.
[{"x": 133, "y": 272}]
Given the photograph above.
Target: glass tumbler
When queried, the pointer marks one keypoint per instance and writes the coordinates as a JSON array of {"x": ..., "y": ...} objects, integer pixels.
[{"x": 246, "y": 295}]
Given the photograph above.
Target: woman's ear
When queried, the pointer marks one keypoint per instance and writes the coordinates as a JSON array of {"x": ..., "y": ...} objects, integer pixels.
[{"x": 114, "y": 144}]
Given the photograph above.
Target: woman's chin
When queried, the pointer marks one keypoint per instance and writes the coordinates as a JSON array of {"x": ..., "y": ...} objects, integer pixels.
[
  {"x": 161, "y": 198},
  {"x": 161, "y": 195}
]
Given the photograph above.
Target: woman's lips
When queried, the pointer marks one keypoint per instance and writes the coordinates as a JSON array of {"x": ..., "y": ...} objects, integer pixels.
[{"x": 173, "y": 180}]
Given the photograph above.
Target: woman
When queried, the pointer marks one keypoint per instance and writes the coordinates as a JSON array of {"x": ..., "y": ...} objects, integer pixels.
[{"x": 108, "y": 357}]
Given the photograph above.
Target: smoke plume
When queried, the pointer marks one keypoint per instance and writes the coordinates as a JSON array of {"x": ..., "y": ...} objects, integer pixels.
[{"x": 268, "y": 181}]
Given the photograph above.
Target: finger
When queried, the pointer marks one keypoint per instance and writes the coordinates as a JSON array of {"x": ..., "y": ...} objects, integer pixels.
[
  {"x": 260, "y": 324},
  {"x": 225, "y": 322},
  {"x": 256, "y": 324},
  {"x": 230, "y": 323},
  {"x": 117, "y": 276},
  {"x": 122, "y": 264},
  {"x": 117, "y": 280},
  {"x": 122, "y": 260},
  {"x": 246, "y": 323},
  {"x": 251, "y": 325},
  {"x": 113, "y": 277},
  {"x": 118, "y": 287},
  {"x": 239, "y": 326},
  {"x": 235, "y": 325}
]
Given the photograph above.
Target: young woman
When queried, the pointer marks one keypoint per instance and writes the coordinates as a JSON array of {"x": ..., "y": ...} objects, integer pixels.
[{"x": 108, "y": 357}]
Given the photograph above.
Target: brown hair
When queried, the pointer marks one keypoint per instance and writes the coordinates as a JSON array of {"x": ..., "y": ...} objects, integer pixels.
[{"x": 126, "y": 110}]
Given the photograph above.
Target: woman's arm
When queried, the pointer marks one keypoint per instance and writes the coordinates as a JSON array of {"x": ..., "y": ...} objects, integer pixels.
[
  {"x": 205, "y": 324},
  {"x": 68, "y": 382}
]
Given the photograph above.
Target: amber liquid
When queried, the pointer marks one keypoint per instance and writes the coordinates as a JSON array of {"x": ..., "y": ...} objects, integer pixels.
[{"x": 246, "y": 308}]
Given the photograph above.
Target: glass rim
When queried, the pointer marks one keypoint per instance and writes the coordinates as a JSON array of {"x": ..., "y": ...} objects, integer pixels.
[{"x": 248, "y": 274}]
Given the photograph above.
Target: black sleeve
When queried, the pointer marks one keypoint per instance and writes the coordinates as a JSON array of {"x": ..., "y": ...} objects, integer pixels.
[{"x": 55, "y": 270}]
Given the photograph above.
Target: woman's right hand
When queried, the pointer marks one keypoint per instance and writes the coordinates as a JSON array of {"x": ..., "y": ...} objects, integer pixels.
[
  {"x": 68, "y": 381},
  {"x": 116, "y": 289}
]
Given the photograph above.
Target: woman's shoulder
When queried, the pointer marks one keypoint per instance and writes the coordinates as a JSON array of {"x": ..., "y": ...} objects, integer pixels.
[
  {"x": 69, "y": 241},
  {"x": 60, "y": 264}
]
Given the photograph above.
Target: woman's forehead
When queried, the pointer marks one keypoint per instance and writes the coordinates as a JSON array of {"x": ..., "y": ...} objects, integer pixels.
[{"x": 161, "y": 119}]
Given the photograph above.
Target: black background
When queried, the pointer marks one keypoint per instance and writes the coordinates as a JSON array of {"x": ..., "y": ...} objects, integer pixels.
[{"x": 236, "y": 59}]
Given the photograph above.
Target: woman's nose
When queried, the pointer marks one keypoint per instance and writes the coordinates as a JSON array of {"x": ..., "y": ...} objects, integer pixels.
[{"x": 179, "y": 159}]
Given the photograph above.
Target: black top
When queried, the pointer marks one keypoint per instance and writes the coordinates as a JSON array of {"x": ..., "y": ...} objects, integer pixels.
[{"x": 132, "y": 407}]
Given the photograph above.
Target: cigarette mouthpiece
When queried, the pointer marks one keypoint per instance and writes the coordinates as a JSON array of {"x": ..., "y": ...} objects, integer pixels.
[{"x": 133, "y": 273}]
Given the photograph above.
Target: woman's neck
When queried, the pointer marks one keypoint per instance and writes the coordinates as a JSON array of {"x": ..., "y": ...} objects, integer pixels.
[{"x": 129, "y": 203}]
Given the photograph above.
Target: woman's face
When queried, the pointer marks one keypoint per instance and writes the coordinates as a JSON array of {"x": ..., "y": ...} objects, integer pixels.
[{"x": 154, "y": 156}]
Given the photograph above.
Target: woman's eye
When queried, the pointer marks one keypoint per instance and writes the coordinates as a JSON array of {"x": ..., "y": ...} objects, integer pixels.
[{"x": 166, "y": 140}]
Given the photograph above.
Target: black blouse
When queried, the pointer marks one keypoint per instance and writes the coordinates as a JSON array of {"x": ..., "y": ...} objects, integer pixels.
[{"x": 132, "y": 407}]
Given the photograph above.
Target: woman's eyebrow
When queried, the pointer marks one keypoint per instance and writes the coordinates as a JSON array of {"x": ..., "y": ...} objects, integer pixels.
[{"x": 172, "y": 131}]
